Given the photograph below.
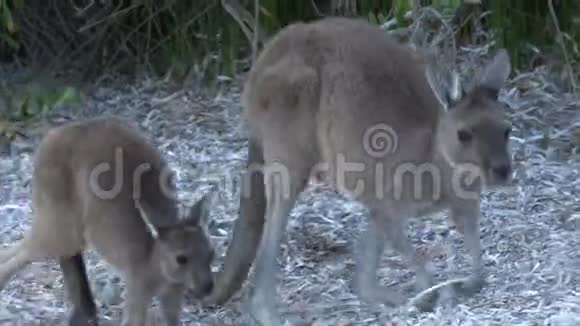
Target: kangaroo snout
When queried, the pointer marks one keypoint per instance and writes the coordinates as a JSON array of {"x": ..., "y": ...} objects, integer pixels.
[
  {"x": 207, "y": 288},
  {"x": 502, "y": 170},
  {"x": 202, "y": 289},
  {"x": 499, "y": 172}
]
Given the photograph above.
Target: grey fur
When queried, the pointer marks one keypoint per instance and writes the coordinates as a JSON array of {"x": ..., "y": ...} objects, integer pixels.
[
  {"x": 315, "y": 92},
  {"x": 130, "y": 219}
]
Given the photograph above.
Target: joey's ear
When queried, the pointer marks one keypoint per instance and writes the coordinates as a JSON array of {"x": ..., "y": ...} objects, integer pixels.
[
  {"x": 435, "y": 85},
  {"x": 446, "y": 87},
  {"x": 199, "y": 213},
  {"x": 455, "y": 91},
  {"x": 494, "y": 75},
  {"x": 146, "y": 212}
]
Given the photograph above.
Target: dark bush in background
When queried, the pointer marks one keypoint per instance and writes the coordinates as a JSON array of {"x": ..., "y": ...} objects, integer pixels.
[
  {"x": 173, "y": 35},
  {"x": 202, "y": 39}
]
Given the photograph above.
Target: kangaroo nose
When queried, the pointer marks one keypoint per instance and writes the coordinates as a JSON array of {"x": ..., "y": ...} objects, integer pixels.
[{"x": 502, "y": 170}]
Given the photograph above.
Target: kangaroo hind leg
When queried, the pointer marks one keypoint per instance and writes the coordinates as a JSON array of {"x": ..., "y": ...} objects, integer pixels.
[
  {"x": 79, "y": 291},
  {"x": 281, "y": 195},
  {"x": 9, "y": 252}
]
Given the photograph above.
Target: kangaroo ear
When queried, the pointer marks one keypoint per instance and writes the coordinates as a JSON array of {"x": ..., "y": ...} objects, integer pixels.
[
  {"x": 494, "y": 75},
  {"x": 199, "y": 213},
  {"x": 446, "y": 85},
  {"x": 455, "y": 91},
  {"x": 146, "y": 212}
]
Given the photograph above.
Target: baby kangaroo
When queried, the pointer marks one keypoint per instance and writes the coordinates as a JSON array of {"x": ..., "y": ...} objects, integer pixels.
[
  {"x": 98, "y": 183},
  {"x": 339, "y": 96}
]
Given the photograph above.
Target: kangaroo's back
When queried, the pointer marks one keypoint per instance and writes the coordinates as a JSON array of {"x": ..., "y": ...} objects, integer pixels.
[
  {"x": 87, "y": 175},
  {"x": 324, "y": 86}
]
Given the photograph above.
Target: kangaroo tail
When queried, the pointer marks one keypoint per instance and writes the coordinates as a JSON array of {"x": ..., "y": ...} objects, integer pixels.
[
  {"x": 12, "y": 259},
  {"x": 247, "y": 230},
  {"x": 9, "y": 252}
]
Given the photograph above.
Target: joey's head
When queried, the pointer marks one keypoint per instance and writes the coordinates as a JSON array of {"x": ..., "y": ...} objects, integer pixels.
[
  {"x": 183, "y": 251},
  {"x": 474, "y": 133}
]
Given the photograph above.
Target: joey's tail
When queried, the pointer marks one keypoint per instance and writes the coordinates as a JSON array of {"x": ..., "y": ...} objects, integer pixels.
[
  {"x": 247, "y": 230},
  {"x": 12, "y": 259},
  {"x": 9, "y": 252}
]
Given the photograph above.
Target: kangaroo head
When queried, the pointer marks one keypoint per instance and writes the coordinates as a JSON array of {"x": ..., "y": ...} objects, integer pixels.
[
  {"x": 183, "y": 251},
  {"x": 474, "y": 130}
]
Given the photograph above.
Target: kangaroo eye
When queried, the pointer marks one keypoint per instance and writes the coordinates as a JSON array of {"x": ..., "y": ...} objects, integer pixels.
[
  {"x": 464, "y": 136},
  {"x": 181, "y": 259}
]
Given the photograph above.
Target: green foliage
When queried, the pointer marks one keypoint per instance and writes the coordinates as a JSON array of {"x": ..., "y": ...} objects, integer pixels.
[
  {"x": 8, "y": 28},
  {"x": 166, "y": 37},
  {"x": 519, "y": 23},
  {"x": 275, "y": 14},
  {"x": 377, "y": 12},
  {"x": 22, "y": 104},
  {"x": 201, "y": 40},
  {"x": 185, "y": 39}
]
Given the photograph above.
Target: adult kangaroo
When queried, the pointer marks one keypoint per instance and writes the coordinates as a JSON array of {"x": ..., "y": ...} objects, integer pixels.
[
  {"x": 321, "y": 96},
  {"x": 99, "y": 183}
]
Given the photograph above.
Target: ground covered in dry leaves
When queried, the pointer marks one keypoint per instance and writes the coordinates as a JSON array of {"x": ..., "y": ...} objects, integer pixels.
[{"x": 530, "y": 234}]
